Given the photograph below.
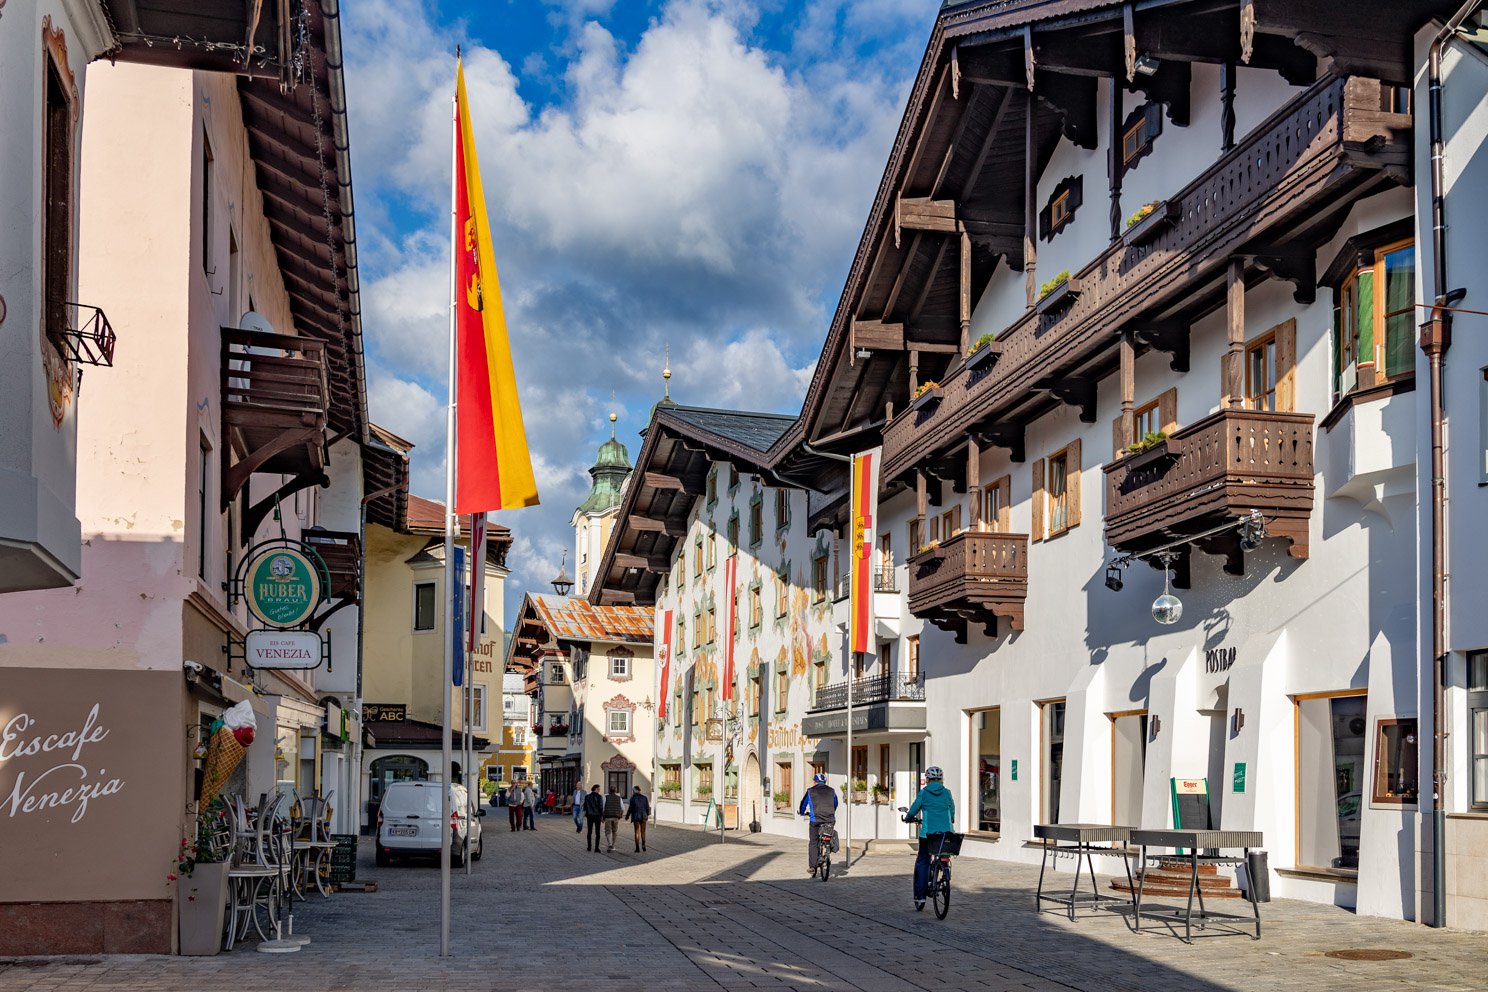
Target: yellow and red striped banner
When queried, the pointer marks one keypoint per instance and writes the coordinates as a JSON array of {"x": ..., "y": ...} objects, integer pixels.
[
  {"x": 493, "y": 465},
  {"x": 864, "y": 514}
]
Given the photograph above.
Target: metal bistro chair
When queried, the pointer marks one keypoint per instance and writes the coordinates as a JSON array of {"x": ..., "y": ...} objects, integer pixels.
[
  {"x": 252, "y": 879},
  {"x": 313, "y": 843}
]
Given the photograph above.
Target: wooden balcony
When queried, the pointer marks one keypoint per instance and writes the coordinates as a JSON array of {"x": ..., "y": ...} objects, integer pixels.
[
  {"x": 975, "y": 577},
  {"x": 1274, "y": 196},
  {"x": 275, "y": 402},
  {"x": 342, "y": 553},
  {"x": 1215, "y": 471}
]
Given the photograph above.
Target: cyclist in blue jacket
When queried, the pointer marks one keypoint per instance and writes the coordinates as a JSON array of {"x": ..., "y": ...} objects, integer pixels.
[
  {"x": 820, "y": 803},
  {"x": 937, "y": 809}
]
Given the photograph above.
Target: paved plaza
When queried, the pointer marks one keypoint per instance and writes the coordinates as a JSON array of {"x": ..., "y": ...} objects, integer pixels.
[{"x": 539, "y": 912}]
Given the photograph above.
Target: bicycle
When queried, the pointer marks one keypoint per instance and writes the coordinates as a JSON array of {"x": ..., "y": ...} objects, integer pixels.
[
  {"x": 824, "y": 852},
  {"x": 938, "y": 884}
]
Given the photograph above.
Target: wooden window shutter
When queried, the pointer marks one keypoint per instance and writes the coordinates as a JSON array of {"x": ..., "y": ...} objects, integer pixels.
[
  {"x": 1072, "y": 481},
  {"x": 1076, "y": 194},
  {"x": 1167, "y": 410},
  {"x": 1152, "y": 121},
  {"x": 1036, "y": 527},
  {"x": 1286, "y": 366},
  {"x": 1224, "y": 395},
  {"x": 1117, "y": 448},
  {"x": 1045, "y": 221},
  {"x": 1004, "y": 509}
]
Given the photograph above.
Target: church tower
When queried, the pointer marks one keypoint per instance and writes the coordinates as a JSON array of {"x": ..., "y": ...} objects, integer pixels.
[{"x": 595, "y": 517}]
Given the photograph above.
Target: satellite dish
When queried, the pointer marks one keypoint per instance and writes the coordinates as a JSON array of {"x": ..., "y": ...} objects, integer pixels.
[{"x": 252, "y": 320}]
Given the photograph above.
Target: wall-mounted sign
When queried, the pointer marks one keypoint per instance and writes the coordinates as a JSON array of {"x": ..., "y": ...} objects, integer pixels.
[
  {"x": 298, "y": 649},
  {"x": 1239, "y": 783},
  {"x": 282, "y": 587},
  {"x": 1015, "y": 769},
  {"x": 384, "y": 712},
  {"x": 1218, "y": 660}
]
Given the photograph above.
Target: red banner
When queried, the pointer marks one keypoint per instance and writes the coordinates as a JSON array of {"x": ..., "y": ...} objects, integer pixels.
[
  {"x": 665, "y": 655},
  {"x": 730, "y": 603},
  {"x": 864, "y": 510}
]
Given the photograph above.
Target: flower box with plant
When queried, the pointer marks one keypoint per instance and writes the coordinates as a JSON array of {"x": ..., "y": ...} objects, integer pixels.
[
  {"x": 860, "y": 791},
  {"x": 927, "y": 549},
  {"x": 1154, "y": 446},
  {"x": 670, "y": 790},
  {"x": 705, "y": 792},
  {"x": 983, "y": 350},
  {"x": 1148, "y": 221},
  {"x": 1057, "y": 293},
  {"x": 782, "y": 802},
  {"x": 926, "y": 393},
  {"x": 200, "y": 878},
  {"x": 881, "y": 794}
]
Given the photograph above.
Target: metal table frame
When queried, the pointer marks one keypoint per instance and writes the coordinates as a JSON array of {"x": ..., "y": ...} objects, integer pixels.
[
  {"x": 1084, "y": 841},
  {"x": 1192, "y": 841}
]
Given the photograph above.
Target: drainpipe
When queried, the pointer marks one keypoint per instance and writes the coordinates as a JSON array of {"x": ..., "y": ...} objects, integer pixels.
[{"x": 1436, "y": 338}]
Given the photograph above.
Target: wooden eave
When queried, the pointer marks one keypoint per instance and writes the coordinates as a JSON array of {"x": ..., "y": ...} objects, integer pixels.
[{"x": 211, "y": 35}]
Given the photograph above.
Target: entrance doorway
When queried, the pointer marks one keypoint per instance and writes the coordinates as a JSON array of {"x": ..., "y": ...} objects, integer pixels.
[
  {"x": 751, "y": 796},
  {"x": 1128, "y": 766}
]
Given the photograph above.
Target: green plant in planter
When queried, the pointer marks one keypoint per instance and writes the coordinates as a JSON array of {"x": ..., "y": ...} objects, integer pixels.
[
  {"x": 1141, "y": 214},
  {"x": 1059, "y": 280},
  {"x": 705, "y": 790},
  {"x": 929, "y": 547},
  {"x": 880, "y": 791},
  {"x": 782, "y": 798},
  {"x": 1147, "y": 442},
  {"x": 976, "y": 345},
  {"x": 859, "y": 785},
  {"x": 208, "y": 846},
  {"x": 925, "y": 387}
]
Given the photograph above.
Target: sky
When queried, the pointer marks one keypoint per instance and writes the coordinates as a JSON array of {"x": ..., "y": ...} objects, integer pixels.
[{"x": 691, "y": 175}]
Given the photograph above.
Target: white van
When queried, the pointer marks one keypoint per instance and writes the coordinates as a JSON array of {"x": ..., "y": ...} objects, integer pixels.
[{"x": 409, "y": 823}]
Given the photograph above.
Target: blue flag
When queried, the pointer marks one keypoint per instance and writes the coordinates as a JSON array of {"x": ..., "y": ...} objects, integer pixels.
[{"x": 457, "y": 618}]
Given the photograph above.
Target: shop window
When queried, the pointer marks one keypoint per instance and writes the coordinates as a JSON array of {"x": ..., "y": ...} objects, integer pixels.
[
  {"x": 1138, "y": 133},
  {"x": 1057, "y": 214},
  {"x": 997, "y": 505},
  {"x": 1374, "y": 319},
  {"x": 1477, "y": 715},
  {"x": 1051, "y": 753},
  {"x": 986, "y": 762},
  {"x": 1056, "y": 493},
  {"x": 423, "y": 606},
  {"x": 1128, "y": 766},
  {"x": 1397, "y": 768},
  {"x": 1330, "y": 780}
]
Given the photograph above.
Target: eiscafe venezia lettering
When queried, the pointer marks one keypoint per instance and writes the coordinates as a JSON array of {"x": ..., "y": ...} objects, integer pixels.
[{"x": 68, "y": 783}]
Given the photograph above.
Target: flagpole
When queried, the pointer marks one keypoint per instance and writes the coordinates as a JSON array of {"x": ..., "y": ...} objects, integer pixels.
[{"x": 449, "y": 563}]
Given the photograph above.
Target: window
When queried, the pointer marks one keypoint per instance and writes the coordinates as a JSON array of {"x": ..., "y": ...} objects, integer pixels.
[
  {"x": 733, "y": 478},
  {"x": 885, "y": 770},
  {"x": 756, "y": 521},
  {"x": 1260, "y": 374},
  {"x": 493, "y": 773},
  {"x": 681, "y": 632},
  {"x": 209, "y": 182},
  {"x": 478, "y": 706},
  {"x": 712, "y": 552},
  {"x": 234, "y": 277},
  {"x": 1128, "y": 765},
  {"x": 1374, "y": 325},
  {"x": 756, "y": 611},
  {"x": 819, "y": 674},
  {"x": 203, "y": 503},
  {"x": 1051, "y": 727},
  {"x": 997, "y": 504},
  {"x": 782, "y": 683},
  {"x": 756, "y": 685},
  {"x": 733, "y": 532},
  {"x": 782, "y": 596},
  {"x": 782, "y": 509},
  {"x": 671, "y": 777},
  {"x": 619, "y": 722},
  {"x": 1396, "y": 762},
  {"x": 423, "y": 606},
  {"x": 915, "y": 542},
  {"x": 712, "y": 625},
  {"x": 1064, "y": 200},
  {"x": 1056, "y": 494},
  {"x": 912, "y": 659},
  {"x": 58, "y": 157},
  {"x": 859, "y": 767},
  {"x": 1157, "y": 416},
  {"x": 697, "y": 557},
  {"x": 733, "y": 596},
  {"x": 986, "y": 763},
  {"x": 819, "y": 579},
  {"x": 785, "y": 784},
  {"x": 1138, "y": 132},
  {"x": 1331, "y": 733},
  {"x": 619, "y": 666},
  {"x": 950, "y": 523},
  {"x": 886, "y": 561},
  {"x": 1146, "y": 420},
  {"x": 1477, "y": 712},
  {"x": 697, "y": 629},
  {"x": 702, "y": 781},
  {"x": 713, "y": 486},
  {"x": 519, "y": 773}
]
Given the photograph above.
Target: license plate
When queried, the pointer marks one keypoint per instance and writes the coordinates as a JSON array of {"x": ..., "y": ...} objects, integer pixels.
[{"x": 401, "y": 830}]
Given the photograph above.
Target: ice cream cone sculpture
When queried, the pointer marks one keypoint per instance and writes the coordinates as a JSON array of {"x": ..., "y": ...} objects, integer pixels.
[{"x": 226, "y": 748}]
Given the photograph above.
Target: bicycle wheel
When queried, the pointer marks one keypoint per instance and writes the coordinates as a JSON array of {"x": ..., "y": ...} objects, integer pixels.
[
  {"x": 941, "y": 893},
  {"x": 826, "y": 865}
]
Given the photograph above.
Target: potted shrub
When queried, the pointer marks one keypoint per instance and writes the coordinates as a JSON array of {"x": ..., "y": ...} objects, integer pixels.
[
  {"x": 670, "y": 790},
  {"x": 983, "y": 351},
  {"x": 782, "y": 802},
  {"x": 1057, "y": 293},
  {"x": 1148, "y": 221},
  {"x": 859, "y": 791},
  {"x": 200, "y": 878}
]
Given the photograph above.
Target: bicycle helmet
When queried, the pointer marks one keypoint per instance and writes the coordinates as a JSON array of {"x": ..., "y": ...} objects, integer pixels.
[
  {"x": 934, "y": 774},
  {"x": 819, "y": 779}
]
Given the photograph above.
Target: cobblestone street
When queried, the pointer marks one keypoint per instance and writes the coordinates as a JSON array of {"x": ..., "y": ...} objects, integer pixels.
[{"x": 540, "y": 912}]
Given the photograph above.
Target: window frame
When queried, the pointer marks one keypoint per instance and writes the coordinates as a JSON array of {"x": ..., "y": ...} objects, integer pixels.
[
  {"x": 433, "y": 624},
  {"x": 619, "y": 666},
  {"x": 1057, "y": 501},
  {"x": 1262, "y": 345},
  {"x": 1477, "y": 701},
  {"x": 1297, "y": 700},
  {"x": 1403, "y": 800},
  {"x": 782, "y": 509},
  {"x": 1367, "y": 252},
  {"x": 611, "y": 730},
  {"x": 819, "y": 574}
]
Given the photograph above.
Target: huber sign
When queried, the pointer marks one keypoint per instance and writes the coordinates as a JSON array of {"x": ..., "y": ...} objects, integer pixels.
[
  {"x": 300, "y": 649},
  {"x": 283, "y": 587}
]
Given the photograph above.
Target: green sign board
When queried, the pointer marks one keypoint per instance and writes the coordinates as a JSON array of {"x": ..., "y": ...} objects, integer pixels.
[
  {"x": 1015, "y": 769},
  {"x": 1239, "y": 776},
  {"x": 283, "y": 587}
]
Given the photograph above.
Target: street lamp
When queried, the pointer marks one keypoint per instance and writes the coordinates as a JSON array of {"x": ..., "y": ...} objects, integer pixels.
[{"x": 562, "y": 584}]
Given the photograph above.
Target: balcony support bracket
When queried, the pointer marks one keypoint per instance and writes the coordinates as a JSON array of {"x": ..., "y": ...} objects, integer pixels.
[
  {"x": 1168, "y": 336},
  {"x": 1296, "y": 264},
  {"x": 1078, "y": 391},
  {"x": 1008, "y": 436},
  {"x": 259, "y": 512}
]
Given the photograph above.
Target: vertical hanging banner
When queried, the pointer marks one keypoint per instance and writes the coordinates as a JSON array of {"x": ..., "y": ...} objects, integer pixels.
[
  {"x": 494, "y": 467},
  {"x": 665, "y": 655},
  {"x": 477, "y": 580},
  {"x": 730, "y": 604},
  {"x": 457, "y": 617},
  {"x": 864, "y": 521}
]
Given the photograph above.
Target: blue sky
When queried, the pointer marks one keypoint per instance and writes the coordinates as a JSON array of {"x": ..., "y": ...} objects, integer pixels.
[{"x": 683, "y": 173}]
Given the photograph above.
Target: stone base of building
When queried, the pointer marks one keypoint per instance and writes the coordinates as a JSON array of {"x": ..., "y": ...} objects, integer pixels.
[{"x": 143, "y": 926}]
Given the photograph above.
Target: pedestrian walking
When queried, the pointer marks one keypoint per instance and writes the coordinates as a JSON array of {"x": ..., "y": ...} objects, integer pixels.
[
  {"x": 550, "y": 801},
  {"x": 593, "y": 812},
  {"x": 578, "y": 808},
  {"x": 514, "y": 807},
  {"x": 638, "y": 812},
  {"x": 614, "y": 809},
  {"x": 529, "y": 801}
]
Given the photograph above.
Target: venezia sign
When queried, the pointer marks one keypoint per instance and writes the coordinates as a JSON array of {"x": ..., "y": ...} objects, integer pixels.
[
  {"x": 281, "y": 649},
  {"x": 283, "y": 587}
]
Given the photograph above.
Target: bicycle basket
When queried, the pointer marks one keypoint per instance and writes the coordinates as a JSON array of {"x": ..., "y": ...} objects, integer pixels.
[{"x": 950, "y": 843}]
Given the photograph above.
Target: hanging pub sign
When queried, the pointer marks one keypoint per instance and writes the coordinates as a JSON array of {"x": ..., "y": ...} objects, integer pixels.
[
  {"x": 283, "y": 584},
  {"x": 283, "y": 649}
]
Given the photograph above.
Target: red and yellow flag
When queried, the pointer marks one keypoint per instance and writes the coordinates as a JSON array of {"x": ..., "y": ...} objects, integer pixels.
[
  {"x": 864, "y": 510},
  {"x": 493, "y": 469},
  {"x": 665, "y": 654},
  {"x": 730, "y": 604}
]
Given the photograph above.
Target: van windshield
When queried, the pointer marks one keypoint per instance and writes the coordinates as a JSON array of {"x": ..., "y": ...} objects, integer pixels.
[{"x": 412, "y": 797}]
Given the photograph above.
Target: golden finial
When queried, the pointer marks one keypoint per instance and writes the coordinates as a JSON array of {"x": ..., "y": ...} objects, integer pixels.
[
  {"x": 613, "y": 415},
  {"x": 666, "y": 375}
]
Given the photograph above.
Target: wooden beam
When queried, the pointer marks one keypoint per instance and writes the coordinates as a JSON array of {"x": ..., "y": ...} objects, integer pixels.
[
  {"x": 964, "y": 291},
  {"x": 877, "y": 335},
  {"x": 659, "y": 564},
  {"x": 920, "y": 213},
  {"x": 1235, "y": 326},
  {"x": 1128, "y": 391},
  {"x": 660, "y": 480},
  {"x": 1030, "y": 188},
  {"x": 1075, "y": 390}
]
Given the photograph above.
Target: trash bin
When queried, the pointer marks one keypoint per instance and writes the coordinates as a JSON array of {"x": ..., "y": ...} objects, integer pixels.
[{"x": 1258, "y": 876}]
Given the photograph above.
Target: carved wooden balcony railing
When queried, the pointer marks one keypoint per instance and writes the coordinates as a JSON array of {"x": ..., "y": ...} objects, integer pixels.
[
  {"x": 974, "y": 577},
  {"x": 1222, "y": 468},
  {"x": 1330, "y": 143},
  {"x": 342, "y": 553},
  {"x": 275, "y": 399}
]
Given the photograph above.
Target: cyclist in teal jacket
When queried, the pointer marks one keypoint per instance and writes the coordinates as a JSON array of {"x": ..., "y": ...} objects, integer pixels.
[{"x": 937, "y": 808}]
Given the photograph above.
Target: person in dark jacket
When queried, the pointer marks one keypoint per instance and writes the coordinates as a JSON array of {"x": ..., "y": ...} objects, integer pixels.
[
  {"x": 638, "y": 812},
  {"x": 593, "y": 813},
  {"x": 937, "y": 808},
  {"x": 614, "y": 809},
  {"x": 820, "y": 803}
]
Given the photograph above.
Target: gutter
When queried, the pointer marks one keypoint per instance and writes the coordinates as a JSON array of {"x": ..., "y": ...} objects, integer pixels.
[{"x": 1436, "y": 338}]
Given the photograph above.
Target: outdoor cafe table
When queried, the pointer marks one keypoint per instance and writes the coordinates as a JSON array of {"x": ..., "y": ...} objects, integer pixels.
[
  {"x": 1083, "y": 840},
  {"x": 1193, "y": 842}
]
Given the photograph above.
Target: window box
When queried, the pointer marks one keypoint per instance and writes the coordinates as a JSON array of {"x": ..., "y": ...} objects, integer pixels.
[
  {"x": 1058, "y": 298},
  {"x": 984, "y": 356},
  {"x": 926, "y": 399},
  {"x": 1149, "y": 227},
  {"x": 1170, "y": 449}
]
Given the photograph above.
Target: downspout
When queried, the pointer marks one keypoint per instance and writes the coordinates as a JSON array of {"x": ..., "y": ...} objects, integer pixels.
[
  {"x": 1436, "y": 338},
  {"x": 356, "y": 704}
]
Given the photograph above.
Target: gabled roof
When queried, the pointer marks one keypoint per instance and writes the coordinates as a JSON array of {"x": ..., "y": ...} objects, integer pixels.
[
  {"x": 756, "y": 431},
  {"x": 569, "y": 618}
]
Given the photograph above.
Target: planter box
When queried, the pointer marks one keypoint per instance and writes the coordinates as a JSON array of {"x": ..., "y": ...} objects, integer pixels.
[
  {"x": 985, "y": 356},
  {"x": 1058, "y": 298},
  {"x": 860, "y": 798},
  {"x": 784, "y": 808},
  {"x": 926, "y": 399},
  {"x": 201, "y": 905},
  {"x": 1149, "y": 227},
  {"x": 1168, "y": 450}
]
